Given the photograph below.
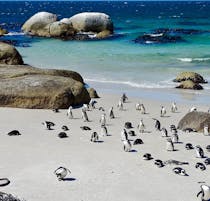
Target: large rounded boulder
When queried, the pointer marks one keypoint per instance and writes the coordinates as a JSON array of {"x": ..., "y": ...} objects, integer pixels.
[
  {"x": 38, "y": 24},
  {"x": 188, "y": 84},
  {"x": 192, "y": 76},
  {"x": 91, "y": 22},
  {"x": 195, "y": 120},
  {"x": 9, "y": 55}
]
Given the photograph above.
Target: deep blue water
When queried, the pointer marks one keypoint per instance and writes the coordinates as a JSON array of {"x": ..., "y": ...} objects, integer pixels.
[{"x": 120, "y": 62}]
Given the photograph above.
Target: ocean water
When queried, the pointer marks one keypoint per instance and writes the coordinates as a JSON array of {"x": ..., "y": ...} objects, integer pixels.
[{"x": 119, "y": 64}]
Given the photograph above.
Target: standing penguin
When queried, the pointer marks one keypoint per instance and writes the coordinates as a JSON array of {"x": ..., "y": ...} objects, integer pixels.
[
  {"x": 206, "y": 130},
  {"x": 61, "y": 173},
  {"x": 141, "y": 126},
  {"x": 124, "y": 135},
  {"x": 157, "y": 124},
  {"x": 111, "y": 113},
  {"x": 94, "y": 137},
  {"x": 69, "y": 112},
  {"x": 173, "y": 107},
  {"x": 169, "y": 145},
  {"x": 138, "y": 106},
  {"x": 175, "y": 138},
  {"x": 127, "y": 145},
  {"x": 103, "y": 119},
  {"x": 84, "y": 114},
  {"x": 205, "y": 193},
  {"x": 142, "y": 109},
  {"x": 120, "y": 104},
  {"x": 199, "y": 151},
  {"x": 92, "y": 104},
  {"x": 162, "y": 111},
  {"x": 164, "y": 132},
  {"x": 124, "y": 98},
  {"x": 104, "y": 131}
]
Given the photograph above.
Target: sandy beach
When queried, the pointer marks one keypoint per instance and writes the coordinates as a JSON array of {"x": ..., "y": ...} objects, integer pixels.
[{"x": 99, "y": 171}]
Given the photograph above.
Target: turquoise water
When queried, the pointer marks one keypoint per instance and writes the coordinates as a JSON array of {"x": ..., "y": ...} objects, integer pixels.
[{"x": 120, "y": 64}]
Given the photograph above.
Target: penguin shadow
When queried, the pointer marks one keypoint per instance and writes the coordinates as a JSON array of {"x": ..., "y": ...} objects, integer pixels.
[
  {"x": 165, "y": 116},
  {"x": 69, "y": 179},
  {"x": 173, "y": 150},
  {"x": 133, "y": 150},
  {"x": 99, "y": 141},
  {"x": 179, "y": 143},
  {"x": 147, "y": 132}
]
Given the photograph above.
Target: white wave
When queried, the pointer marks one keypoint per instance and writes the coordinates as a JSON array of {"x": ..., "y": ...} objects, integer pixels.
[
  {"x": 162, "y": 84},
  {"x": 194, "y": 59},
  {"x": 15, "y": 34}
]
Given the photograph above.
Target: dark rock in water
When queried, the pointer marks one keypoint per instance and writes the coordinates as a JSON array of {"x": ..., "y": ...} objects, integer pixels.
[
  {"x": 192, "y": 76},
  {"x": 195, "y": 120},
  {"x": 177, "y": 31},
  {"x": 158, "y": 39},
  {"x": 188, "y": 84}
]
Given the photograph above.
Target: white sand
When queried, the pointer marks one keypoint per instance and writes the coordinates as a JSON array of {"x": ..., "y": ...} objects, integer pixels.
[{"x": 102, "y": 171}]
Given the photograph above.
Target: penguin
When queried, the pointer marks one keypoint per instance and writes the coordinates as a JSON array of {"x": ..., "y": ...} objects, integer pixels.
[
  {"x": 70, "y": 113},
  {"x": 111, "y": 113},
  {"x": 131, "y": 133},
  {"x": 169, "y": 145},
  {"x": 179, "y": 171},
  {"x": 162, "y": 111},
  {"x": 86, "y": 107},
  {"x": 141, "y": 126},
  {"x": 172, "y": 127},
  {"x": 4, "y": 182},
  {"x": 128, "y": 125},
  {"x": 208, "y": 148},
  {"x": 138, "y": 141},
  {"x": 124, "y": 98},
  {"x": 92, "y": 103},
  {"x": 201, "y": 166},
  {"x": 142, "y": 109},
  {"x": 189, "y": 130},
  {"x": 199, "y": 151},
  {"x": 137, "y": 106},
  {"x": 61, "y": 173},
  {"x": 13, "y": 133},
  {"x": 84, "y": 115},
  {"x": 120, "y": 105},
  {"x": 207, "y": 161},
  {"x": 147, "y": 157},
  {"x": 189, "y": 146},
  {"x": 56, "y": 110},
  {"x": 48, "y": 124},
  {"x": 62, "y": 135},
  {"x": 173, "y": 107},
  {"x": 175, "y": 138},
  {"x": 164, "y": 132},
  {"x": 104, "y": 131},
  {"x": 157, "y": 124},
  {"x": 101, "y": 109},
  {"x": 94, "y": 137},
  {"x": 124, "y": 135},
  {"x": 85, "y": 128},
  {"x": 103, "y": 120},
  {"x": 193, "y": 109},
  {"x": 205, "y": 192},
  {"x": 159, "y": 163},
  {"x": 65, "y": 128},
  {"x": 127, "y": 145},
  {"x": 206, "y": 130}
]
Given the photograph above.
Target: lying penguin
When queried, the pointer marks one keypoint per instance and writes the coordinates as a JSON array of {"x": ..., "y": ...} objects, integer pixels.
[{"x": 61, "y": 173}]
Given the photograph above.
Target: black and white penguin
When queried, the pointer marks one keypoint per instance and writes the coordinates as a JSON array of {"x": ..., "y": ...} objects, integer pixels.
[
  {"x": 103, "y": 119},
  {"x": 157, "y": 124},
  {"x": 62, "y": 135},
  {"x": 48, "y": 124},
  {"x": 169, "y": 145},
  {"x": 131, "y": 133},
  {"x": 201, "y": 166},
  {"x": 189, "y": 146},
  {"x": 138, "y": 141},
  {"x": 141, "y": 126},
  {"x": 208, "y": 148},
  {"x": 84, "y": 114},
  {"x": 175, "y": 138},
  {"x": 120, "y": 104},
  {"x": 179, "y": 171},
  {"x": 128, "y": 125},
  {"x": 173, "y": 107},
  {"x": 127, "y": 145},
  {"x": 124, "y": 98},
  {"x": 94, "y": 137},
  {"x": 189, "y": 130},
  {"x": 92, "y": 103},
  {"x": 65, "y": 128},
  {"x": 104, "y": 131},
  {"x": 162, "y": 111},
  {"x": 56, "y": 110},
  {"x": 85, "y": 128},
  {"x": 147, "y": 157},
  {"x": 159, "y": 163},
  {"x": 199, "y": 151},
  {"x": 69, "y": 112},
  {"x": 205, "y": 193},
  {"x": 4, "y": 182},
  {"x": 61, "y": 173},
  {"x": 164, "y": 132},
  {"x": 207, "y": 161},
  {"x": 124, "y": 135},
  {"x": 111, "y": 113},
  {"x": 101, "y": 109},
  {"x": 14, "y": 133}
]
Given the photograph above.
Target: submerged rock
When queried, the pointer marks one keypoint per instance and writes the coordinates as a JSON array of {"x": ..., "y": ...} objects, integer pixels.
[
  {"x": 9, "y": 55},
  {"x": 188, "y": 84},
  {"x": 28, "y": 87},
  {"x": 158, "y": 39},
  {"x": 177, "y": 31},
  {"x": 194, "y": 77},
  {"x": 194, "y": 120}
]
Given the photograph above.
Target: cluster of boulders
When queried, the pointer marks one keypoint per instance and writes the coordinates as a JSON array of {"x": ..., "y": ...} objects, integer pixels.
[
  {"x": 81, "y": 26},
  {"x": 190, "y": 80},
  {"x": 29, "y": 87}
]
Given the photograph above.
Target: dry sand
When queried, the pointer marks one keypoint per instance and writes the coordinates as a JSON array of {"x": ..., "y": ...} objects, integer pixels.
[{"x": 100, "y": 171}]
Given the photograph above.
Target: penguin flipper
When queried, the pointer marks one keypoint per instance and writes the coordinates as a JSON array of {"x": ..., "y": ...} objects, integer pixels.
[{"x": 199, "y": 193}]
